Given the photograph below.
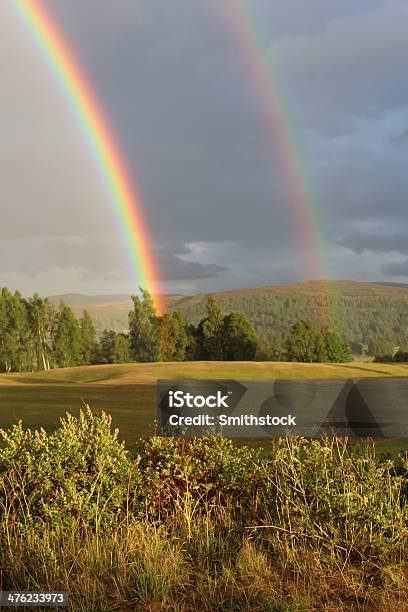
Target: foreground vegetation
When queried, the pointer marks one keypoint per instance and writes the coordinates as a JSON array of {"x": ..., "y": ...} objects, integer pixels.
[{"x": 201, "y": 524}]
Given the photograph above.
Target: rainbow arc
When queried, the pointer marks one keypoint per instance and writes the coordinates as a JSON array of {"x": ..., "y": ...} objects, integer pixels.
[{"x": 82, "y": 99}]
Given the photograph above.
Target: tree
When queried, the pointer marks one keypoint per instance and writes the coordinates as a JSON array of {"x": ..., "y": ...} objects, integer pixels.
[
  {"x": 121, "y": 353},
  {"x": 67, "y": 346},
  {"x": 210, "y": 332},
  {"x": 305, "y": 343},
  {"x": 16, "y": 352},
  {"x": 41, "y": 315},
  {"x": 88, "y": 339},
  {"x": 143, "y": 329},
  {"x": 336, "y": 348},
  {"x": 174, "y": 337},
  {"x": 113, "y": 347},
  {"x": 267, "y": 350},
  {"x": 106, "y": 346},
  {"x": 239, "y": 341}
]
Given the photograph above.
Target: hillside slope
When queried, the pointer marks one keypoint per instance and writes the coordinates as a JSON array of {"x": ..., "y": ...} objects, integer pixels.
[
  {"x": 372, "y": 317},
  {"x": 149, "y": 373}
]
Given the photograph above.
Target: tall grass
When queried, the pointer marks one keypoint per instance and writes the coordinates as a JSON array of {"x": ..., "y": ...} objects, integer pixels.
[{"x": 201, "y": 524}]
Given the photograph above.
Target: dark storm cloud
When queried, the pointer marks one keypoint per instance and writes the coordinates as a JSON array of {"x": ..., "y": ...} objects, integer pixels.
[
  {"x": 175, "y": 269},
  {"x": 186, "y": 110}
]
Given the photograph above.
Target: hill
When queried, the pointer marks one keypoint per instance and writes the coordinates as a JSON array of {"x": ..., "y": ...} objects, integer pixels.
[
  {"x": 107, "y": 311},
  {"x": 372, "y": 317},
  {"x": 146, "y": 373}
]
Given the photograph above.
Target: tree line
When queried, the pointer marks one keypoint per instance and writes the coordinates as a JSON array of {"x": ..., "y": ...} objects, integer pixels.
[
  {"x": 371, "y": 324},
  {"x": 37, "y": 335}
]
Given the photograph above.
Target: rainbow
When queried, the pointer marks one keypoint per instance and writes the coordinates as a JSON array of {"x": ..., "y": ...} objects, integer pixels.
[
  {"x": 109, "y": 159},
  {"x": 279, "y": 128}
]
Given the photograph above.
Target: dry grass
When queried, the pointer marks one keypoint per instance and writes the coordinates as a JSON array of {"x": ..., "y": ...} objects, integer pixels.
[{"x": 322, "y": 529}]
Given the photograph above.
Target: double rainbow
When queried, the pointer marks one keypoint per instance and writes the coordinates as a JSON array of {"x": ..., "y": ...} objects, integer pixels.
[
  {"x": 123, "y": 192},
  {"x": 279, "y": 129},
  {"x": 80, "y": 96}
]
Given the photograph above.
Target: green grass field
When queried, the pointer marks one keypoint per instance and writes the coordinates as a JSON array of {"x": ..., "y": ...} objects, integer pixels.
[{"x": 128, "y": 392}]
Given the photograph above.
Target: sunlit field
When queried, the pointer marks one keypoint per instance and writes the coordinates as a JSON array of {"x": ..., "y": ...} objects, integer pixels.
[{"x": 128, "y": 392}]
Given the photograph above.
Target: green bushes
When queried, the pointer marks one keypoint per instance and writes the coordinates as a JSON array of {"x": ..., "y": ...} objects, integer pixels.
[
  {"x": 210, "y": 470},
  {"x": 201, "y": 524},
  {"x": 77, "y": 474}
]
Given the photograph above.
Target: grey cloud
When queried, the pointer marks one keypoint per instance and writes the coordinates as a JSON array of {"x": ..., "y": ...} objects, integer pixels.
[
  {"x": 188, "y": 115},
  {"x": 177, "y": 263},
  {"x": 355, "y": 63},
  {"x": 93, "y": 256},
  {"x": 175, "y": 269},
  {"x": 396, "y": 268},
  {"x": 376, "y": 243},
  {"x": 403, "y": 137}
]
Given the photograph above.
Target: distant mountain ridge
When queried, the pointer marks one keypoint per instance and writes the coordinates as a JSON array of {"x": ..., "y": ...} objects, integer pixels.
[{"x": 77, "y": 299}]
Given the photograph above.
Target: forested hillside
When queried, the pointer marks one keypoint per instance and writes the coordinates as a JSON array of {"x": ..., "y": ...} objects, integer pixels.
[{"x": 372, "y": 318}]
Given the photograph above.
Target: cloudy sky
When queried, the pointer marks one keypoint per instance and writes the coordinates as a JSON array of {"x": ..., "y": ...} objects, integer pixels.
[{"x": 186, "y": 108}]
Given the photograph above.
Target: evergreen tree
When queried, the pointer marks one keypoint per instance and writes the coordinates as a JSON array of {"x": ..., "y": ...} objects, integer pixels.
[
  {"x": 305, "y": 343},
  {"x": 88, "y": 339},
  {"x": 113, "y": 347},
  {"x": 239, "y": 340},
  {"x": 337, "y": 350},
  {"x": 144, "y": 329},
  {"x": 106, "y": 346},
  {"x": 16, "y": 352},
  {"x": 121, "y": 352},
  {"x": 67, "y": 346},
  {"x": 174, "y": 337},
  {"x": 210, "y": 332}
]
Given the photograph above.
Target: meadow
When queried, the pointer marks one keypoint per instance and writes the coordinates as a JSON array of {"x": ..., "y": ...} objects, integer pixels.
[{"x": 128, "y": 392}]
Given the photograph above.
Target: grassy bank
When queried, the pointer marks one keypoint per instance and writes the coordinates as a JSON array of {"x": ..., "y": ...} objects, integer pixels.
[
  {"x": 202, "y": 524},
  {"x": 145, "y": 373}
]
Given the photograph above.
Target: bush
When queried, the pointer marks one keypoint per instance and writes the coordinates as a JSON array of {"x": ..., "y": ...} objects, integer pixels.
[
  {"x": 80, "y": 473},
  {"x": 210, "y": 470},
  {"x": 202, "y": 523}
]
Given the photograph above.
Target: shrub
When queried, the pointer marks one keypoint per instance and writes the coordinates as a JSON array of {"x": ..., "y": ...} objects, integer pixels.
[
  {"x": 202, "y": 523},
  {"x": 79, "y": 473},
  {"x": 210, "y": 469}
]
